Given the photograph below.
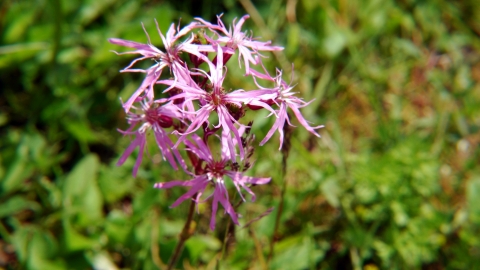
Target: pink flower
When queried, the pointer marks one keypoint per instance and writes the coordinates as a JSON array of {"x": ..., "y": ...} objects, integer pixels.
[
  {"x": 170, "y": 58},
  {"x": 238, "y": 40},
  {"x": 193, "y": 96},
  {"x": 156, "y": 118},
  {"x": 285, "y": 99},
  {"x": 213, "y": 174},
  {"x": 218, "y": 100}
]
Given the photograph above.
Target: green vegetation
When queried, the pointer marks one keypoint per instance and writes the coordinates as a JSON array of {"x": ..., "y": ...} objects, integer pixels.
[{"x": 394, "y": 182}]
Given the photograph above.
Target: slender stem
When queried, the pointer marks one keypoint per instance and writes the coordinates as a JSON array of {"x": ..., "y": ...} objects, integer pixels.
[
  {"x": 279, "y": 214},
  {"x": 258, "y": 249},
  {"x": 227, "y": 230},
  {"x": 225, "y": 239},
  {"x": 285, "y": 151},
  {"x": 183, "y": 237}
]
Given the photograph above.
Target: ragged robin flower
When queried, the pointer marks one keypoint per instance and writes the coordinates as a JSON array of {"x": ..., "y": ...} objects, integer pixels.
[
  {"x": 169, "y": 58},
  {"x": 213, "y": 174},
  {"x": 217, "y": 100},
  {"x": 181, "y": 112},
  {"x": 284, "y": 99},
  {"x": 152, "y": 117},
  {"x": 238, "y": 40}
]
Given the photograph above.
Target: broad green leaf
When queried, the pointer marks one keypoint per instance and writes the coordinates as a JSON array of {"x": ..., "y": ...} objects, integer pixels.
[
  {"x": 42, "y": 250},
  {"x": 16, "y": 30},
  {"x": 80, "y": 130},
  {"x": 20, "y": 240},
  {"x": 118, "y": 226},
  {"x": 115, "y": 182},
  {"x": 81, "y": 195},
  {"x": 74, "y": 241},
  {"x": 199, "y": 244},
  {"x": 296, "y": 253}
]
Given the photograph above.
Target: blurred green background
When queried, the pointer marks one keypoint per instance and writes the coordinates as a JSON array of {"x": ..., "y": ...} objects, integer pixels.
[{"x": 394, "y": 182}]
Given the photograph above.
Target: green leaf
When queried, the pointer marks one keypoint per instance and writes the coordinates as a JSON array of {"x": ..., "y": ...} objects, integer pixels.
[
  {"x": 20, "y": 240},
  {"x": 75, "y": 241},
  {"x": 81, "y": 195},
  {"x": 115, "y": 182},
  {"x": 17, "y": 28},
  {"x": 118, "y": 226},
  {"x": 42, "y": 248},
  {"x": 15, "y": 205},
  {"x": 17, "y": 172},
  {"x": 80, "y": 130},
  {"x": 297, "y": 252},
  {"x": 199, "y": 244}
]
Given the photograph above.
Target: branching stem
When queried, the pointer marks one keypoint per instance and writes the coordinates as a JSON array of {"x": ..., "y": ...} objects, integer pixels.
[{"x": 186, "y": 233}]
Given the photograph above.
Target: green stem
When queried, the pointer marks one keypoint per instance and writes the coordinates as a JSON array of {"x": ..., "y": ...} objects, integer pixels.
[
  {"x": 183, "y": 237},
  {"x": 227, "y": 230},
  {"x": 225, "y": 239},
  {"x": 279, "y": 214},
  {"x": 285, "y": 151}
]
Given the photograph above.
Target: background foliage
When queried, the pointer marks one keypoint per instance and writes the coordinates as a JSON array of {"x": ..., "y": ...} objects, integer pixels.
[{"x": 394, "y": 183}]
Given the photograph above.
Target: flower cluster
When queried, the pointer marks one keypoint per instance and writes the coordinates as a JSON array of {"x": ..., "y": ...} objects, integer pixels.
[{"x": 190, "y": 108}]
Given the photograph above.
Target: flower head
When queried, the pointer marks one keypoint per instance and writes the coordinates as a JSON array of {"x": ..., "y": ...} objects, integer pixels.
[
  {"x": 168, "y": 58},
  {"x": 194, "y": 94},
  {"x": 156, "y": 118},
  {"x": 217, "y": 100},
  {"x": 238, "y": 40},
  {"x": 213, "y": 174},
  {"x": 285, "y": 99}
]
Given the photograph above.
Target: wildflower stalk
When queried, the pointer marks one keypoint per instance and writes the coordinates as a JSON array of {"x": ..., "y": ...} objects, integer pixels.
[
  {"x": 183, "y": 108},
  {"x": 154, "y": 246},
  {"x": 258, "y": 249},
  {"x": 225, "y": 240},
  {"x": 186, "y": 233},
  {"x": 285, "y": 151},
  {"x": 228, "y": 230}
]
